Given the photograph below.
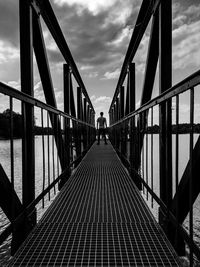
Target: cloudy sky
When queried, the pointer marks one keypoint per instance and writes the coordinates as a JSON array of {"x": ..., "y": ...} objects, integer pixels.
[{"x": 98, "y": 33}]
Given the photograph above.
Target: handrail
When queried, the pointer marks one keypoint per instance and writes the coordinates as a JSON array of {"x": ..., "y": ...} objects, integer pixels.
[
  {"x": 189, "y": 82},
  {"x": 65, "y": 135},
  {"x": 131, "y": 130},
  {"x": 8, "y": 90}
]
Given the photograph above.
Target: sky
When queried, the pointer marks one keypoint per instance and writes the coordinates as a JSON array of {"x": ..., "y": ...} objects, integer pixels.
[{"x": 98, "y": 34}]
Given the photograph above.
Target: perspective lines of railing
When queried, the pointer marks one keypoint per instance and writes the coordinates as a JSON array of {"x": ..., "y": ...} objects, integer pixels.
[
  {"x": 150, "y": 139},
  {"x": 51, "y": 147}
]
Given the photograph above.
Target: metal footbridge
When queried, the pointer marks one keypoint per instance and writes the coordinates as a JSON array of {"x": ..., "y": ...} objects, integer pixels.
[
  {"x": 99, "y": 216},
  {"x": 98, "y": 219}
]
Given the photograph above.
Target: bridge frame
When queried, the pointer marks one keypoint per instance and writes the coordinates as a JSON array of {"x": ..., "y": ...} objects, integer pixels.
[
  {"x": 69, "y": 130},
  {"x": 133, "y": 126}
]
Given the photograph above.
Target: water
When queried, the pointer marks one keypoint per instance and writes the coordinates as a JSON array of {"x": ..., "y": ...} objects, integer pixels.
[
  {"x": 49, "y": 174},
  {"x": 184, "y": 141},
  {"x": 5, "y": 161}
]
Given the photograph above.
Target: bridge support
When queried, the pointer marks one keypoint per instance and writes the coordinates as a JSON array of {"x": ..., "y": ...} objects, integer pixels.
[
  {"x": 66, "y": 85},
  {"x": 45, "y": 75},
  {"x": 79, "y": 127},
  {"x": 165, "y": 118},
  {"x": 23, "y": 228},
  {"x": 133, "y": 140}
]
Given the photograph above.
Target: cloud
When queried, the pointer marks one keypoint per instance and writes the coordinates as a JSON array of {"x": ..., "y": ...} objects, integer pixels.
[
  {"x": 92, "y": 6},
  {"x": 86, "y": 67},
  {"x": 186, "y": 45},
  {"x": 14, "y": 84},
  {"x": 103, "y": 99},
  {"x": 98, "y": 36},
  {"x": 9, "y": 22},
  {"x": 111, "y": 75},
  {"x": 7, "y": 52},
  {"x": 185, "y": 12}
]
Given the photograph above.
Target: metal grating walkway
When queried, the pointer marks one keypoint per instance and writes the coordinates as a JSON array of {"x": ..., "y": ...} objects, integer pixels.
[{"x": 98, "y": 219}]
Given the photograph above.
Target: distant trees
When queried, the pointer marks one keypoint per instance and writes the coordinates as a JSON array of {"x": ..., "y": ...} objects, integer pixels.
[{"x": 5, "y": 125}]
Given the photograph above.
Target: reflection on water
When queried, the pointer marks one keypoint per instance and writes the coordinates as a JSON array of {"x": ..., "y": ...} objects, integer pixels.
[
  {"x": 184, "y": 141},
  {"x": 50, "y": 173}
]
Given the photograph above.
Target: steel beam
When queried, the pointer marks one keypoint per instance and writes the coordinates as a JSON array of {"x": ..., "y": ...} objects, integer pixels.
[
  {"x": 121, "y": 102},
  {"x": 127, "y": 108},
  {"x": 165, "y": 116},
  {"x": 133, "y": 140},
  {"x": 20, "y": 231},
  {"x": 152, "y": 60},
  {"x": 165, "y": 82},
  {"x": 49, "y": 17},
  {"x": 79, "y": 115},
  {"x": 43, "y": 66},
  {"x": 66, "y": 94},
  {"x": 144, "y": 16}
]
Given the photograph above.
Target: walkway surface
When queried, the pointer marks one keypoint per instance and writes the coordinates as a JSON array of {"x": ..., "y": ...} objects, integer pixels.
[{"x": 98, "y": 219}]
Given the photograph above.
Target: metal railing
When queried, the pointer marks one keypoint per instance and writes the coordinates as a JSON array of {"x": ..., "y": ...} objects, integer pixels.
[
  {"x": 50, "y": 147},
  {"x": 147, "y": 139},
  {"x": 136, "y": 133}
]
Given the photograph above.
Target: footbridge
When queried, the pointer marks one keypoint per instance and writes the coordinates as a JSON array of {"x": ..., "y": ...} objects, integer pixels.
[{"x": 109, "y": 205}]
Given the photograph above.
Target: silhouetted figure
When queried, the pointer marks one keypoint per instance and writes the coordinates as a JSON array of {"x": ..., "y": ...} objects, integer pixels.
[{"x": 101, "y": 127}]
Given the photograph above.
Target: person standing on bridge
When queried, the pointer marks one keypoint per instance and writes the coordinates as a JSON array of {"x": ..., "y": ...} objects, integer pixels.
[{"x": 101, "y": 127}]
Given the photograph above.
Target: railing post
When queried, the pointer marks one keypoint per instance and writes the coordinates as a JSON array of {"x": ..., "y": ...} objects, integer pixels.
[
  {"x": 79, "y": 116},
  {"x": 165, "y": 82},
  {"x": 66, "y": 152},
  {"x": 28, "y": 147},
  {"x": 132, "y": 131},
  {"x": 117, "y": 127},
  {"x": 127, "y": 108},
  {"x": 165, "y": 52},
  {"x": 122, "y": 131},
  {"x": 85, "y": 144}
]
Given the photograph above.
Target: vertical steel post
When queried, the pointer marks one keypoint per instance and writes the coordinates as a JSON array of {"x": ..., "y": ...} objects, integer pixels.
[
  {"x": 121, "y": 102},
  {"x": 85, "y": 127},
  {"x": 131, "y": 87},
  {"x": 132, "y": 131},
  {"x": 122, "y": 132},
  {"x": 165, "y": 52},
  {"x": 28, "y": 147},
  {"x": 66, "y": 153},
  {"x": 165, "y": 82},
  {"x": 79, "y": 116},
  {"x": 88, "y": 114},
  {"x": 26, "y": 57},
  {"x": 114, "y": 128},
  {"x": 117, "y": 127},
  {"x": 127, "y": 110}
]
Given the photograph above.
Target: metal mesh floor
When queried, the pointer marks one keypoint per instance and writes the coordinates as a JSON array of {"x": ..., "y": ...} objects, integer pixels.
[{"x": 98, "y": 219}]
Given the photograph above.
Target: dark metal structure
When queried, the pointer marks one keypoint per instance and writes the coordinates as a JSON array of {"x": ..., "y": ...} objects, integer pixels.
[
  {"x": 131, "y": 131},
  {"x": 69, "y": 134},
  {"x": 111, "y": 227}
]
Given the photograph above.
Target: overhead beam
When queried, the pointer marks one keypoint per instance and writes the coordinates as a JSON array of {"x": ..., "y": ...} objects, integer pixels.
[
  {"x": 44, "y": 8},
  {"x": 144, "y": 16}
]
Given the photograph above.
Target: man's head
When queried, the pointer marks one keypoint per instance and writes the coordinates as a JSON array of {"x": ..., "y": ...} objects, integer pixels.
[{"x": 101, "y": 113}]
